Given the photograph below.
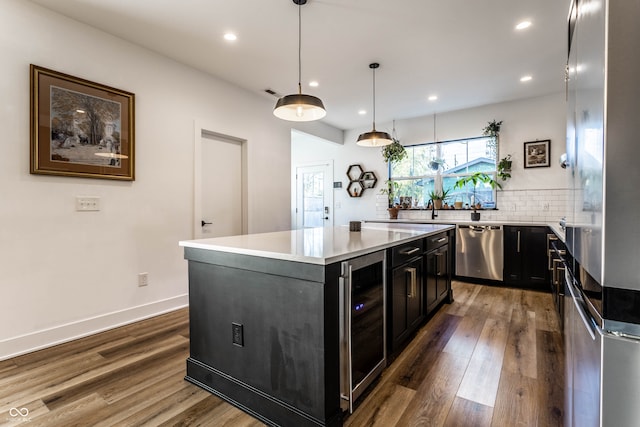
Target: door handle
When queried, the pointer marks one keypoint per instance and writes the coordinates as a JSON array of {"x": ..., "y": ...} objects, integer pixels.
[{"x": 203, "y": 223}]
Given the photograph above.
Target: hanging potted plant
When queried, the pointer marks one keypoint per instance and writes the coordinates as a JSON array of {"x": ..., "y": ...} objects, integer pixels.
[
  {"x": 394, "y": 152},
  {"x": 436, "y": 163},
  {"x": 504, "y": 168},
  {"x": 492, "y": 129},
  {"x": 475, "y": 179}
]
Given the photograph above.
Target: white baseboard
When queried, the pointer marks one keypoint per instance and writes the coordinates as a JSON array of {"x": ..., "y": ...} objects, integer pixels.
[{"x": 38, "y": 340}]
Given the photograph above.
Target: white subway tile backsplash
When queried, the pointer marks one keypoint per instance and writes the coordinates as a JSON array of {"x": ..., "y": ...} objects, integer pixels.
[{"x": 513, "y": 205}]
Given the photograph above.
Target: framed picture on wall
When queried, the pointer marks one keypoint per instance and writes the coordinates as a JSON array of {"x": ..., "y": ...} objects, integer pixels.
[
  {"x": 537, "y": 154},
  {"x": 80, "y": 128}
]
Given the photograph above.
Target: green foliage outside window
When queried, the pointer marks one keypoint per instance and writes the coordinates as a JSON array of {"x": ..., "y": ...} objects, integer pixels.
[{"x": 418, "y": 178}]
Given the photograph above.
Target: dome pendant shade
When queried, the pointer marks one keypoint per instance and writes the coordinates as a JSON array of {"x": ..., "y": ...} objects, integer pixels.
[
  {"x": 374, "y": 138},
  {"x": 299, "y": 108}
]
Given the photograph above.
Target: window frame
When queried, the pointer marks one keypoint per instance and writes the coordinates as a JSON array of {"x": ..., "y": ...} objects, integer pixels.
[{"x": 438, "y": 177}]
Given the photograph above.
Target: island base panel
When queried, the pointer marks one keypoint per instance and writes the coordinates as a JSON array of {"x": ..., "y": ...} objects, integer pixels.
[{"x": 254, "y": 402}]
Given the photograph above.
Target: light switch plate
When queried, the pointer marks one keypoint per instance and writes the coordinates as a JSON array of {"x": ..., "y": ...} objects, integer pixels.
[{"x": 87, "y": 203}]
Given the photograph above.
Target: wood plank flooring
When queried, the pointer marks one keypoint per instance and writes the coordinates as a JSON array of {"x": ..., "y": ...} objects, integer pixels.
[{"x": 492, "y": 358}]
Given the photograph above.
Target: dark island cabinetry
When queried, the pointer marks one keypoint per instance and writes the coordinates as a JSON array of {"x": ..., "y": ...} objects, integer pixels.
[
  {"x": 293, "y": 326},
  {"x": 407, "y": 287},
  {"x": 420, "y": 280},
  {"x": 525, "y": 256},
  {"x": 438, "y": 271}
]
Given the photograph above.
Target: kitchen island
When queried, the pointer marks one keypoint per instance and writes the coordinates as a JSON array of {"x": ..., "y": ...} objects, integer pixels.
[{"x": 265, "y": 327}]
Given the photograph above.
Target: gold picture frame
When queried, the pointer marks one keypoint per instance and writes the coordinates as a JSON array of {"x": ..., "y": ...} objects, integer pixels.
[{"x": 80, "y": 128}]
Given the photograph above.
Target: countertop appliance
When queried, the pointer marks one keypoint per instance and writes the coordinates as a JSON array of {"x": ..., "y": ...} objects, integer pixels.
[
  {"x": 602, "y": 304},
  {"x": 363, "y": 334},
  {"x": 479, "y": 252}
]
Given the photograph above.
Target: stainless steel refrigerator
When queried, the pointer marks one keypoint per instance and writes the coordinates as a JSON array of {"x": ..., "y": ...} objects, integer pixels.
[{"x": 602, "y": 297}]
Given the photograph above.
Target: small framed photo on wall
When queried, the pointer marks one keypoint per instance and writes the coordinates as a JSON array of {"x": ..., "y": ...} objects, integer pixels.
[{"x": 537, "y": 154}]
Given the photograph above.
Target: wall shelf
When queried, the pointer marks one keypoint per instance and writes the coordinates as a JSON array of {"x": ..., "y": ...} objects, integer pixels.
[{"x": 360, "y": 180}]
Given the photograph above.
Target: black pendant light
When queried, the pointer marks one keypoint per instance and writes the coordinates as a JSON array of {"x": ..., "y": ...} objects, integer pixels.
[
  {"x": 299, "y": 107},
  {"x": 374, "y": 138}
]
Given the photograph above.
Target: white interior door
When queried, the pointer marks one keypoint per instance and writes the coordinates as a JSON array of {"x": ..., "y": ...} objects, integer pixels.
[
  {"x": 314, "y": 195},
  {"x": 221, "y": 195}
]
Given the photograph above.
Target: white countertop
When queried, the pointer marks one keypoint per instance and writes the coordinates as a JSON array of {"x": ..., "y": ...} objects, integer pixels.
[
  {"x": 319, "y": 245},
  {"x": 555, "y": 227}
]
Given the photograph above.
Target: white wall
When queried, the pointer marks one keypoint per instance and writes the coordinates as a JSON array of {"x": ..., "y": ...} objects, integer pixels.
[
  {"x": 524, "y": 120},
  {"x": 65, "y": 273}
]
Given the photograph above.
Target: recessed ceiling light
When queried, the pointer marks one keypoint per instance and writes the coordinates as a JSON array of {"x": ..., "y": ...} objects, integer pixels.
[
  {"x": 433, "y": 97},
  {"x": 230, "y": 37},
  {"x": 313, "y": 83},
  {"x": 522, "y": 25},
  {"x": 525, "y": 78},
  {"x": 362, "y": 112}
]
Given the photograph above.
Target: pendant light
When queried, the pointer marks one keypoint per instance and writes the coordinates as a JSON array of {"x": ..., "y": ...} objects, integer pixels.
[
  {"x": 374, "y": 138},
  {"x": 299, "y": 107}
]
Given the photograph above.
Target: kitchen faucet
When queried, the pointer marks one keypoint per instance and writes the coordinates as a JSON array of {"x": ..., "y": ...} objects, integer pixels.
[{"x": 434, "y": 215}]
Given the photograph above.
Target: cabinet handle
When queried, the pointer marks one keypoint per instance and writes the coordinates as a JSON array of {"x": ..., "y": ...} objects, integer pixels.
[
  {"x": 442, "y": 239},
  {"x": 557, "y": 270},
  {"x": 518, "y": 241},
  {"x": 412, "y": 282},
  {"x": 409, "y": 251}
]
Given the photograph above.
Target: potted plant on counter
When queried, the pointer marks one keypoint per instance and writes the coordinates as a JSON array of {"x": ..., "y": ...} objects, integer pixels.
[
  {"x": 475, "y": 179},
  {"x": 390, "y": 190},
  {"x": 438, "y": 197}
]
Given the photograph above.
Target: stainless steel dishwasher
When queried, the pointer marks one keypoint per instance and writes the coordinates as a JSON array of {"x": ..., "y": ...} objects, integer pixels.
[{"x": 479, "y": 251}]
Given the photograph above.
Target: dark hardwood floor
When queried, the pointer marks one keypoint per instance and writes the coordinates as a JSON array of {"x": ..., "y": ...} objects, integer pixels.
[{"x": 492, "y": 358}]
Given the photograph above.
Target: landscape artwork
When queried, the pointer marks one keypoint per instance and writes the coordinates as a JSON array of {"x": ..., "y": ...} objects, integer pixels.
[
  {"x": 84, "y": 129},
  {"x": 537, "y": 154},
  {"x": 80, "y": 128}
]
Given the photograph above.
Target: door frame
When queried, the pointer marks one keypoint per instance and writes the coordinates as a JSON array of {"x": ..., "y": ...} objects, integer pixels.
[
  {"x": 201, "y": 130},
  {"x": 328, "y": 164}
]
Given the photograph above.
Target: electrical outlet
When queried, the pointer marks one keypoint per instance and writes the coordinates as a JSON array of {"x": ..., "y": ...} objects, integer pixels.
[
  {"x": 143, "y": 279},
  {"x": 545, "y": 206},
  {"x": 237, "y": 334},
  {"x": 87, "y": 203}
]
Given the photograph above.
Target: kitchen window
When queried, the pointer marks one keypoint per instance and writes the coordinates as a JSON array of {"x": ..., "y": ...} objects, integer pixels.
[{"x": 437, "y": 166}]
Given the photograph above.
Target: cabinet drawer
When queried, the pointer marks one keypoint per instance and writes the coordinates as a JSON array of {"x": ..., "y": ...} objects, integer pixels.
[
  {"x": 403, "y": 253},
  {"x": 436, "y": 241}
]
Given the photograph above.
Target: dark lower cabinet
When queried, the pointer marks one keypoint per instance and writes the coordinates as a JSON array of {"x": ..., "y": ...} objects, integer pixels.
[
  {"x": 525, "y": 257},
  {"x": 419, "y": 280},
  {"x": 407, "y": 297},
  {"x": 438, "y": 279}
]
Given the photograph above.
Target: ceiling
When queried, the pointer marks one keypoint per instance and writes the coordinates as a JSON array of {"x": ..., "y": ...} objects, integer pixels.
[{"x": 467, "y": 52}]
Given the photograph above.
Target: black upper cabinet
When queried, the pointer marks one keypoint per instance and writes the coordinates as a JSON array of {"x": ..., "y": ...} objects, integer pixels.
[{"x": 525, "y": 257}]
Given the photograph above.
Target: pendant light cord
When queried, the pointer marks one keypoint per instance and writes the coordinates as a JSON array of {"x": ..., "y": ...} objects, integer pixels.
[
  {"x": 300, "y": 48},
  {"x": 374, "y": 98},
  {"x": 434, "y": 127}
]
